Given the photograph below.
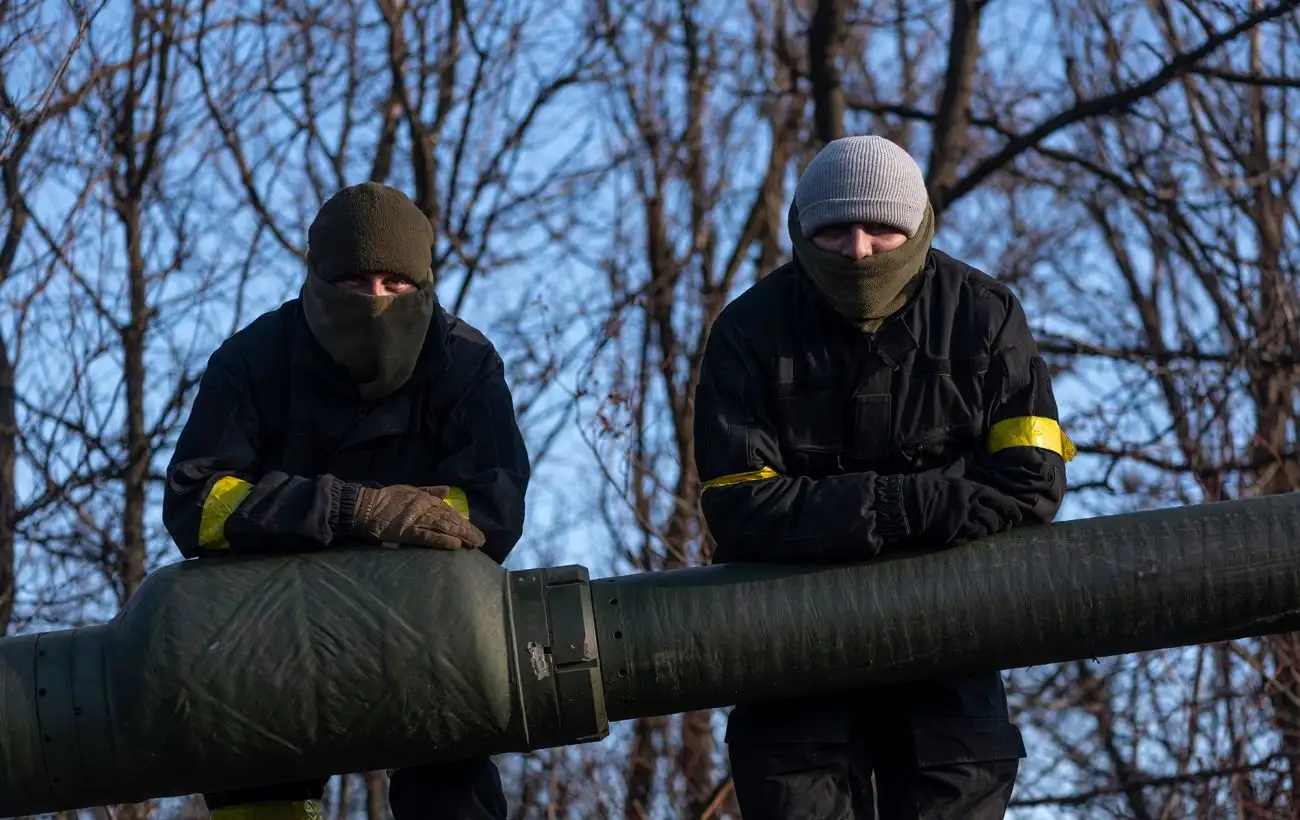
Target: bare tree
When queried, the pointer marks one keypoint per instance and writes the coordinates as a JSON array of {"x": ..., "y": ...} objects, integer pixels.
[
  {"x": 18, "y": 134},
  {"x": 24, "y": 111},
  {"x": 452, "y": 102},
  {"x": 1165, "y": 275},
  {"x": 692, "y": 213},
  {"x": 603, "y": 175},
  {"x": 826, "y": 37}
]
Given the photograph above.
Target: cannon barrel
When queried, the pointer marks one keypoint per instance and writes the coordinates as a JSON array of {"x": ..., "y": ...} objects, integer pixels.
[{"x": 244, "y": 671}]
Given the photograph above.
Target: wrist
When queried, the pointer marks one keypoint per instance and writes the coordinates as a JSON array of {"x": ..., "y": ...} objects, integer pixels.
[
  {"x": 344, "y": 515},
  {"x": 891, "y": 510}
]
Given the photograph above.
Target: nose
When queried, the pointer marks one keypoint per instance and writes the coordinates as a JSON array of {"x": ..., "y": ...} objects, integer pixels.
[
  {"x": 857, "y": 245},
  {"x": 373, "y": 286}
]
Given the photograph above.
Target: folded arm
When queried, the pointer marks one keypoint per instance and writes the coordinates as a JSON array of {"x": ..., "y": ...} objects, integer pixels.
[
  {"x": 1025, "y": 450},
  {"x": 753, "y": 510},
  {"x": 218, "y": 497},
  {"x": 756, "y": 512},
  {"x": 1017, "y": 476}
]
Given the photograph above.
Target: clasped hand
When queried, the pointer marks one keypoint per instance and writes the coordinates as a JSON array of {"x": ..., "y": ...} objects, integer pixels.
[{"x": 413, "y": 516}]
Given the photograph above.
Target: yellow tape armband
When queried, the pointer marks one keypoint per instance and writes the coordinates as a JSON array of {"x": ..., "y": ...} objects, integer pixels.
[
  {"x": 740, "y": 478},
  {"x": 457, "y": 501},
  {"x": 226, "y": 495},
  {"x": 1031, "y": 431},
  {"x": 276, "y": 810}
]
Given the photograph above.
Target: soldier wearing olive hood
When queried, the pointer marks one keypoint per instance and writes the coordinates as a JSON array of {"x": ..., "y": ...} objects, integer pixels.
[
  {"x": 359, "y": 412},
  {"x": 873, "y": 395}
]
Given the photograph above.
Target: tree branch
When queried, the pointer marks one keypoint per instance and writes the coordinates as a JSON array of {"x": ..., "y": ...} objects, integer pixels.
[{"x": 1174, "y": 68}]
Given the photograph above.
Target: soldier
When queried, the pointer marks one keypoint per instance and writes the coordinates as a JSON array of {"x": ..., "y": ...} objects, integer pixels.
[
  {"x": 362, "y": 412},
  {"x": 873, "y": 394}
]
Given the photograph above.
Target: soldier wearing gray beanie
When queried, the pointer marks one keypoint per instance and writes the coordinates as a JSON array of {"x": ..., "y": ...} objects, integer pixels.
[
  {"x": 861, "y": 179},
  {"x": 874, "y": 395},
  {"x": 872, "y": 182}
]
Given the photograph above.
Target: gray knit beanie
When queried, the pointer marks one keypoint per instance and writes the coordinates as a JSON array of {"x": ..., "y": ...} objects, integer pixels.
[{"x": 861, "y": 179}]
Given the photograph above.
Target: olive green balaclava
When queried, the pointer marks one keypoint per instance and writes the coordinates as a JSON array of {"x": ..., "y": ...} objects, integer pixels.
[
  {"x": 869, "y": 180},
  {"x": 377, "y": 339}
]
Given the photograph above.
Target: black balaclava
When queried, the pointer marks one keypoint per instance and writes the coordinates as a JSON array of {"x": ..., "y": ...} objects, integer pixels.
[{"x": 377, "y": 339}]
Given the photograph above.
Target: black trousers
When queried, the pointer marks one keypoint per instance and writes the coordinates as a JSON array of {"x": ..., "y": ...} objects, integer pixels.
[
  {"x": 466, "y": 790},
  {"x": 805, "y": 760}
]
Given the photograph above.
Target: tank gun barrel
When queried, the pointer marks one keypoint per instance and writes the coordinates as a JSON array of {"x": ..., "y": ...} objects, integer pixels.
[{"x": 244, "y": 670}]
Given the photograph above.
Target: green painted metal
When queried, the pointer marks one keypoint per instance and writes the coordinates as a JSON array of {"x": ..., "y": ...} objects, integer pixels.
[{"x": 242, "y": 671}]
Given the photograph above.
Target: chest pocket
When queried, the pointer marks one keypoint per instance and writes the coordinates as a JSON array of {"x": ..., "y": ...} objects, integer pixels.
[
  {"x": 809, "y": 420},
  {"x": 838, "y": 422},
  {"x": 943, "y": 416}
]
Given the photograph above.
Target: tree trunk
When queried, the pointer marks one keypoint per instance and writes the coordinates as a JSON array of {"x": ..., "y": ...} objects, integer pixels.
[
  {"x": 16, "y": 206},
  {"x": 825, "y": 40},
  {"x": 641, "y": 768},
  {"x": 8, "y": 490},
  {"x": 131, "y": 559},
  {"x": 695, "y": 762},
  {"x": 341, "y": 808},
  {"x": 376, "y": 796},
  {"x": 951, "y": 122}
]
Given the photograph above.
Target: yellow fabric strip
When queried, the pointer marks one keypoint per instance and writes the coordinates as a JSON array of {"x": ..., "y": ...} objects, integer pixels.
[
  {"x": 740, "y": 478},
  {"x": 457, "y": 501},
  {"x": 278, "y": 810},
  {"x": 1031, "y": 431},
  {"x": 226, "y": 495}
]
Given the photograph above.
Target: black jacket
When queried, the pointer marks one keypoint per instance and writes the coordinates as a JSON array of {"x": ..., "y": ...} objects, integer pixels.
[
  {"x": 799, "y": 415},
  {"x": 278, "y": 437}
]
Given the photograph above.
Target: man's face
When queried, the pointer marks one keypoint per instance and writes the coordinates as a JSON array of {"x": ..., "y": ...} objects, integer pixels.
[
  {"x": 376, "y": 283},
  {"x": 857, "y": 240}
]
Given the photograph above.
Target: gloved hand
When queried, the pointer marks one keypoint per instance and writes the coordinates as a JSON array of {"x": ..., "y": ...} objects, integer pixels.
[
  {"x": 938, "y": 510},
  {"x": 946, "y": 512},
  {"x": 413, "y": 516}
]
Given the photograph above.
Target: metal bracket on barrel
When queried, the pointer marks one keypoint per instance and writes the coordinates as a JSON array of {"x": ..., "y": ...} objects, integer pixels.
[
  {"x": 55, "y": 710},
  {"x": 557, "y": 665},
  {"x": 614, "y": 665},
  {"x": 72, "y": 713}
]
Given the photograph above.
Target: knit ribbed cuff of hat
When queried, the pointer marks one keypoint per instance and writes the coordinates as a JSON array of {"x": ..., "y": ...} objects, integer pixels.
[
  {"x": 891, "y": 213},
  {"x": 863, "y": 178}
]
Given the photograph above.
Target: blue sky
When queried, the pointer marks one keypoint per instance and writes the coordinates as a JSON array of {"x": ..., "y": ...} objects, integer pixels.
[{"x": 559, "y": 292}]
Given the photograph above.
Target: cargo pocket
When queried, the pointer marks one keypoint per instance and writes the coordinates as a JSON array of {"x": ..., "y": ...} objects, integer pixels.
[
  {"x": 872, "y": 432},
  {"x": 950, "y": 742},
  {"x": 813, "y": 462},
  {"x": 939, "y": 446},
  {"x": 808, "y": 415}
]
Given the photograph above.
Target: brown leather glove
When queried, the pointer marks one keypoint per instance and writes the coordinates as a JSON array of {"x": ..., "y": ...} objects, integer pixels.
[{"x": 413, "y": 516}]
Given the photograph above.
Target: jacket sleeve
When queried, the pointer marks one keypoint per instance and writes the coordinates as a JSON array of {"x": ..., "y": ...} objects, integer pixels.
[
  {"x": 753, "y": 511},
  {"x": 1025, "y": 450},
  {"x": 217, "y": 496},
  {"x": 487, "y": 466}
]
